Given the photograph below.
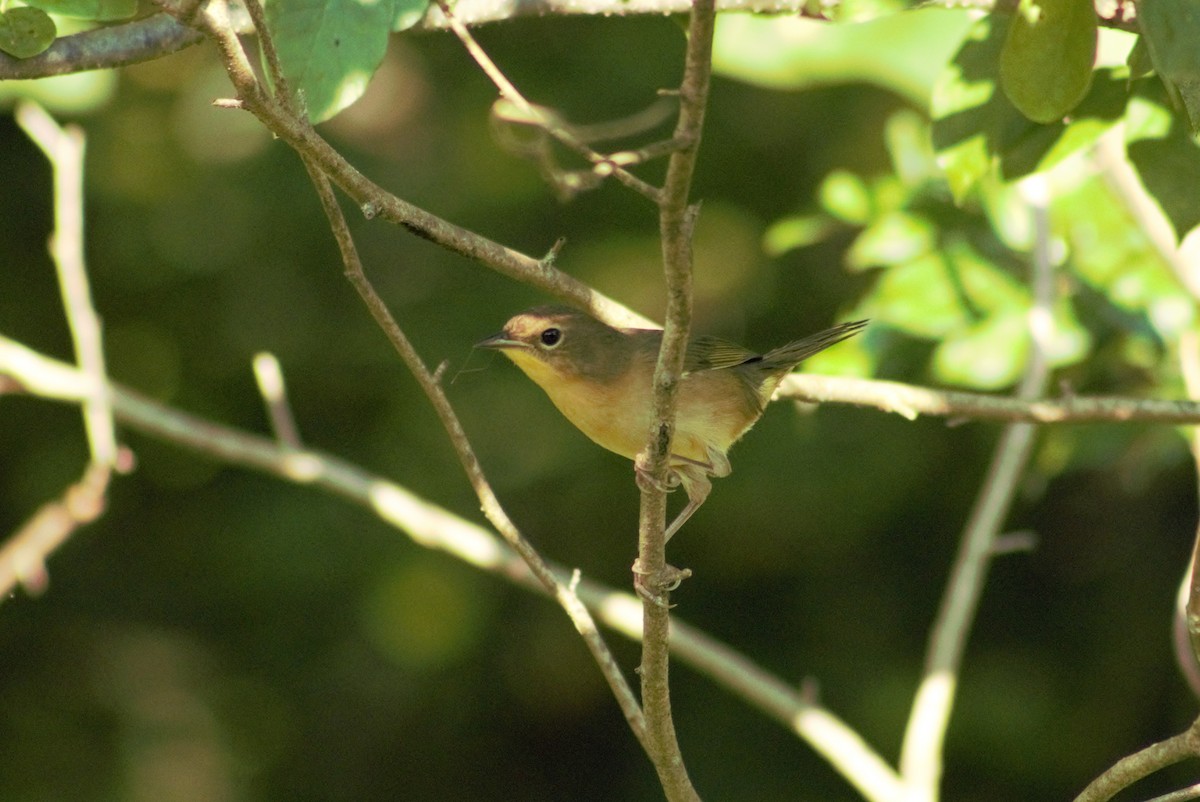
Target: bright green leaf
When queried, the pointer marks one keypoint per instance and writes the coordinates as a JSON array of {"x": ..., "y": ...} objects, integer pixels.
[
  {"x": 893, "y": 238},
  {"x": 969, "y": 114},
  {"x": 977, "y": 128},
  {"x": 943, "y": 291},
  {"x": 1071, "y": 342},
  {"x": 408, "y": 13},
  {"x": 1048, "y": 55},
  {"x": 906, "y": 135},
  {"x": 800, "y": 231},
  {"x": 988, "y": 355},
  {"x": 1113, "y": 257},
  {"x": 329, "y": 49},
  {"x": 99, "y": 10},
  {"x": 901, "y": 51},
  {"x": 845, "y": 196}
]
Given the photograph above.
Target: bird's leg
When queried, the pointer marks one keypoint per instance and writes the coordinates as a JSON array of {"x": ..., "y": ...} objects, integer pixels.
[{"x": 694, "y": 479}]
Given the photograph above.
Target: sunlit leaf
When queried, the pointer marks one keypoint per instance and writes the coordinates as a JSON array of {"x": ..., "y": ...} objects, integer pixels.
[
  {"x": 845, "y": 196},
  {"x": 1114, "y": 257},
  {"x": 893, "y": 238},
  {"x": 942, "y": 291},
  {"x": 796, "y": 232},
  {"x": 969, "y": 113},
  {"x": 408, "y": 13},
  {"x": 987, "y": 355},
  {"x": 902, "y": 52},
  {"x": 329, "y": 49},
  {"x": 1047, "y": 59}
]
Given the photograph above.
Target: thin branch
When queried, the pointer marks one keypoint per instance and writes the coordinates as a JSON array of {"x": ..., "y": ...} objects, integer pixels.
[
  {"x": 1128, "y": 770},
  {"x": 492, "y": 508},
  {"x": 544, "y": 119},
  {"x": 922, "y": 750},
  {"x": 112, "y": 46},
  {"x": 269, "y": 377},
  {"x": 677, "y": 217},
  {"x": 160, "y": 35},
  {"x": 433, "y": 527},
  {"x": 910, "y": 401},
  {"x": 23, "y": 556},
  {"x": 373, "y": 200},
  {"x": 64, "y": 149},
  {"x": 1186, "y": 622}
]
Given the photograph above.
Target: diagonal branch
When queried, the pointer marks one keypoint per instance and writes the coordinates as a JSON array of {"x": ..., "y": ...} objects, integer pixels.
[
  {"x": 432, "y": 527},
  {"x": 373, "y": 200},
  {"x": 563, "y": 593},
  {"x": 922, "y": 751}
]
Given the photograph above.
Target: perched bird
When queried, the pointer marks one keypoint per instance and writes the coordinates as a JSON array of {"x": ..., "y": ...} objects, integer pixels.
[{"x": 601, "y": 378}]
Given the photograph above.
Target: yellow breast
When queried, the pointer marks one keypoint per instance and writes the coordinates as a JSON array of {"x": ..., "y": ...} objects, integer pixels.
[{"x": 712, "y": 411}]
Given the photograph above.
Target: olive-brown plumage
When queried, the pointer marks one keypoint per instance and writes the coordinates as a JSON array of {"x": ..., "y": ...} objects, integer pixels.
[{"x": 601, "y": 377}]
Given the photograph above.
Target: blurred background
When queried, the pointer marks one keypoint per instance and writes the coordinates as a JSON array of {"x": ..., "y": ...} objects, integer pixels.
[{"x": 221, "y": 635}]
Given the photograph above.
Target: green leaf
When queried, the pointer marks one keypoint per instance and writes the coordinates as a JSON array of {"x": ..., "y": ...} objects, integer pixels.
[
  {"x": 1171, "y": 29},
  {"x": 329, "y": 49},
  {"x": 894, "y": 238},
  {"x": 795, "y": 232},
  {"x": 900, "y": 51},
  {"x": 1167, "y": 161},
  {"x": 845, "y": 196},
  {"x": 969, "y": 114},
  {"x": 408, "y": 13},
  {"x": 988, "y": 355},
  {"x": 25, "y": 32},
  {"x": 941, "y": 292},
  {"x": 977, "y": 129},
  {"x": 1112, "y": 256},
  {"x": 1043, "y": 146},
  {"x": 1048, "y": 55},
  {"x": 99, "y": 10}
]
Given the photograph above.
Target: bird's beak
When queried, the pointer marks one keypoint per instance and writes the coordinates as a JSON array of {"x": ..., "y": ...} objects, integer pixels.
[{"x": 499, "y": 342}]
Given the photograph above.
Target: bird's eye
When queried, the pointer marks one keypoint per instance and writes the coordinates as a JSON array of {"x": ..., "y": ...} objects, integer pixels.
[{"x": 551, "y": 337}]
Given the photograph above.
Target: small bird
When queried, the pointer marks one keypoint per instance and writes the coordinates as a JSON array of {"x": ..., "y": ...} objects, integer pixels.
[{"x": 601, "y": 378}]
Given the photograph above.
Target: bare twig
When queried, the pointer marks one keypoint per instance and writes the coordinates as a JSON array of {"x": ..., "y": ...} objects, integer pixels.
[
  {"x": 160, "y": 35},
  {"x": 433, "y": 527},
  {"x": 1128, "y": 770},
  {"x": 271, "y": 387},
  {"x": 1186, "y": 623},
  {"x": 910, "y": 401},
  {"x": 23, "y": 556},
  {"x": 104, "y": 48},
  {"x": 921, "y": 753},
  {"x": 544, "y": 119},
  {"x": 64, "y": 148}
]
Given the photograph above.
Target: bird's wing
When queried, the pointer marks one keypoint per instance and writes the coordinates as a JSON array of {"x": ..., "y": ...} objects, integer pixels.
[{"x": 713, "y": 353}]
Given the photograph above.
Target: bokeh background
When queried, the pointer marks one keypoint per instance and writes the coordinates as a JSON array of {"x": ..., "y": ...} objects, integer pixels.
[{"x": 220, "y": 635}]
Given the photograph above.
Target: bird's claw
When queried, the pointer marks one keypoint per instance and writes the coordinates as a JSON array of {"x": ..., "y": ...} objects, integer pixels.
[{"x": 653, "y": 586}]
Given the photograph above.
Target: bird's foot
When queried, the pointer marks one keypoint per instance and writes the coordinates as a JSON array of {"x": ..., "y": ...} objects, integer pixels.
[
  {"x": 645, "y": 479},
  {"x": 655, "y": 586}
]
